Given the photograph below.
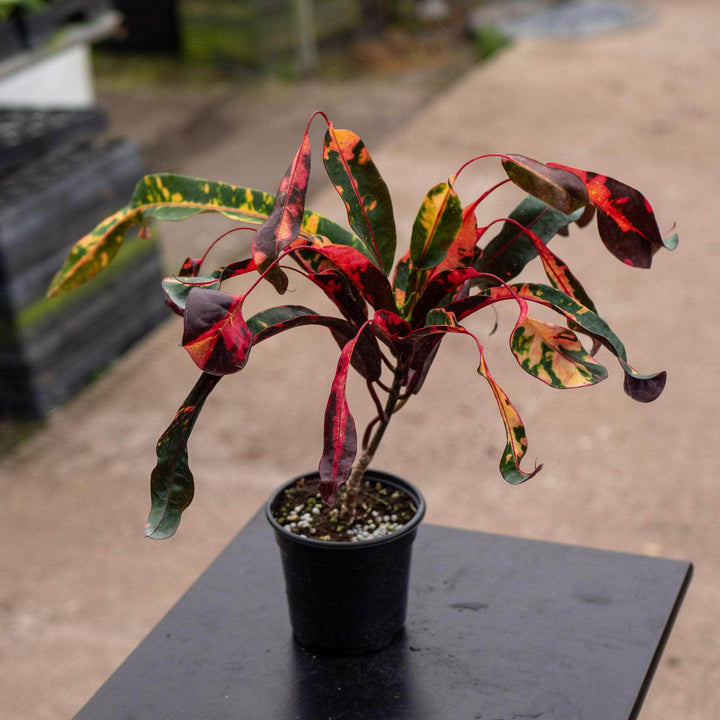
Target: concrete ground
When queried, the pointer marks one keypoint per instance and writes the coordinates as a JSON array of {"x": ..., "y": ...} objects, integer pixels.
[{"x": 81, "y": 586}]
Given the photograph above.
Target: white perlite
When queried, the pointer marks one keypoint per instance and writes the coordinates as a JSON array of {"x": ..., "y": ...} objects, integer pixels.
[{"x": 300, "y": 522}]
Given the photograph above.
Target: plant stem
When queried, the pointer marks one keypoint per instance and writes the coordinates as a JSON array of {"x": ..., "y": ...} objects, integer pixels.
[{"x": 354, "y": 482}]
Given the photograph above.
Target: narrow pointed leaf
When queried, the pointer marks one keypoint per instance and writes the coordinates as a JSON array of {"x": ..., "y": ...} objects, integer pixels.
[
  {"x": 555, "y": 186},
  {"x": 554, "y": 355},
  {"x": 215, "y": 335},
  {"x": 340, "y": 436},
  {"x": 400, "y": 279},
  {"x": 516, "y": 445},
  {"x": 285, "y": 221},
  {"x": 436, "y": 226},
  {"x": 364, "y": 192},
  {"x": 626, "y": 221},
  {"x": 165, "y": 197},
  {"x": 175, "y": 197},
  {"x": 171, "y": 484}
]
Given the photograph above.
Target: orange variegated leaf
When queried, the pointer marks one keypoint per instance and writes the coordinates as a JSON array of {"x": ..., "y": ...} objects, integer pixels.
[
  {"x": 436, "y": 226},
  {"x": 285, "y": 221},
  {"x": 554, "y": 355},
  {"x": 443, "y": 321},
  {"x": 364, "y": 193},
  {"x": 516, "y": 445},
  {"x": 163, "y": 197}
]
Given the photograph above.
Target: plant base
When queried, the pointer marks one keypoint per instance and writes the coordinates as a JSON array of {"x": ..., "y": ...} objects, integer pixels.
[{"x": 348, "y": 598}]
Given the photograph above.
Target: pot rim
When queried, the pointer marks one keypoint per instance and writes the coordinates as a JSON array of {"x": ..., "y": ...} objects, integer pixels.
[{"x": 348, "y": 546}]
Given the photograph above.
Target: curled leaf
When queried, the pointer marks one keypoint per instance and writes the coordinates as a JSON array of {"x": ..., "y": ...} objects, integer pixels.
[
  {"x": 172, "y": 486},
  {"x": 215, "y": 335},
  {"x": 554, "y": 185},
  {"x": 625, "y": 219}
]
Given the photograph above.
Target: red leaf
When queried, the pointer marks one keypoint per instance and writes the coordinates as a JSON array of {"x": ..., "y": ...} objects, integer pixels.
[
  {"x": 626, "y": 222},
  {"x": 285, "y": 221},
  {"x": 340, "y": 436},
  {"x": 370, "y": 281},
  {"x": 215, "y": 335}
]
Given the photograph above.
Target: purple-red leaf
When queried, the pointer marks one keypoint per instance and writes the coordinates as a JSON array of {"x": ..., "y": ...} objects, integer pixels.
[
  {"x": 626, "y": 221},
  {"x": 285, "y": 221},
  {"x": 369, "y": 280},
  {"x": 340, "y": 436},
  {"x": 215, "y": 334}
]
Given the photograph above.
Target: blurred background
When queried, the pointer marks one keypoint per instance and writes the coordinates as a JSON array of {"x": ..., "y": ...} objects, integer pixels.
[{"x": 94, "y": 93}]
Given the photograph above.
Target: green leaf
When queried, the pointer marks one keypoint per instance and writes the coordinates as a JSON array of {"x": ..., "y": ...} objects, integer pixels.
[
  {"x": 507, "y": 254},
  {"x": 171, "y": 484},
  {"x": 177, "y": 288},
  {"x": 364, "y": 192}
]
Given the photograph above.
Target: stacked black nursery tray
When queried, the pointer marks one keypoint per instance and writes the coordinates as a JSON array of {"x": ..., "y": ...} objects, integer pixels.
[{"x": 58, "y": 179}]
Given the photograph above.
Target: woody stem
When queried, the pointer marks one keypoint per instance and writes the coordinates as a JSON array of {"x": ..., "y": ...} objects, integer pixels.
[{"x": 354, "y": 482}]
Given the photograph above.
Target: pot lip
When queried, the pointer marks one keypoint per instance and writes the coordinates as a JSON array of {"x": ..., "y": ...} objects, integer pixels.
[{"x": 409, "y": 527}]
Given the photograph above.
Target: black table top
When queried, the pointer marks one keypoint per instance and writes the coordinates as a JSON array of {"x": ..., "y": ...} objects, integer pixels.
[{"x": 499, "y": 628}]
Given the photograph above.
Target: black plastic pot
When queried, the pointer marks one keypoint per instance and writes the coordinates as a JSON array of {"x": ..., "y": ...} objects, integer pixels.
[{"x": 348, "y": 598}]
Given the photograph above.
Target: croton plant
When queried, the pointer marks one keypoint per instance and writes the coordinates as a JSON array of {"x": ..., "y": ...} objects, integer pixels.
[{"x": 391, "y": 315}]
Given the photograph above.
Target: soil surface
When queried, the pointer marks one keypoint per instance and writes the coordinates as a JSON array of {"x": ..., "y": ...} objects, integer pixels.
[
  {"x": 380, "y": 511},
  {"x": 82, "y": 587}
]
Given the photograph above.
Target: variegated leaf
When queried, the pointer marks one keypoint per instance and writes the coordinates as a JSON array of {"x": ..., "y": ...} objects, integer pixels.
[
  {"x": 626, "y": 221},
  {"x": 461, "y": 251},
  {"x": 436, "y": 226},
  {"x": 364, "y": 192},
  {"x": 554, "y": 355},
  {"x": 285, "y": 221},
  {"x": 516, "y": 445},
  {"x": 553, "y": 185},
  {"x": 444, "y": 321},
  {"x": 215, "y": 335},
  {"x": 340, "y": 436},
  {"x": 165, "y": 197},
  {"x": 643, "y": 388},
  {"x": 171, "y": 484}
]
